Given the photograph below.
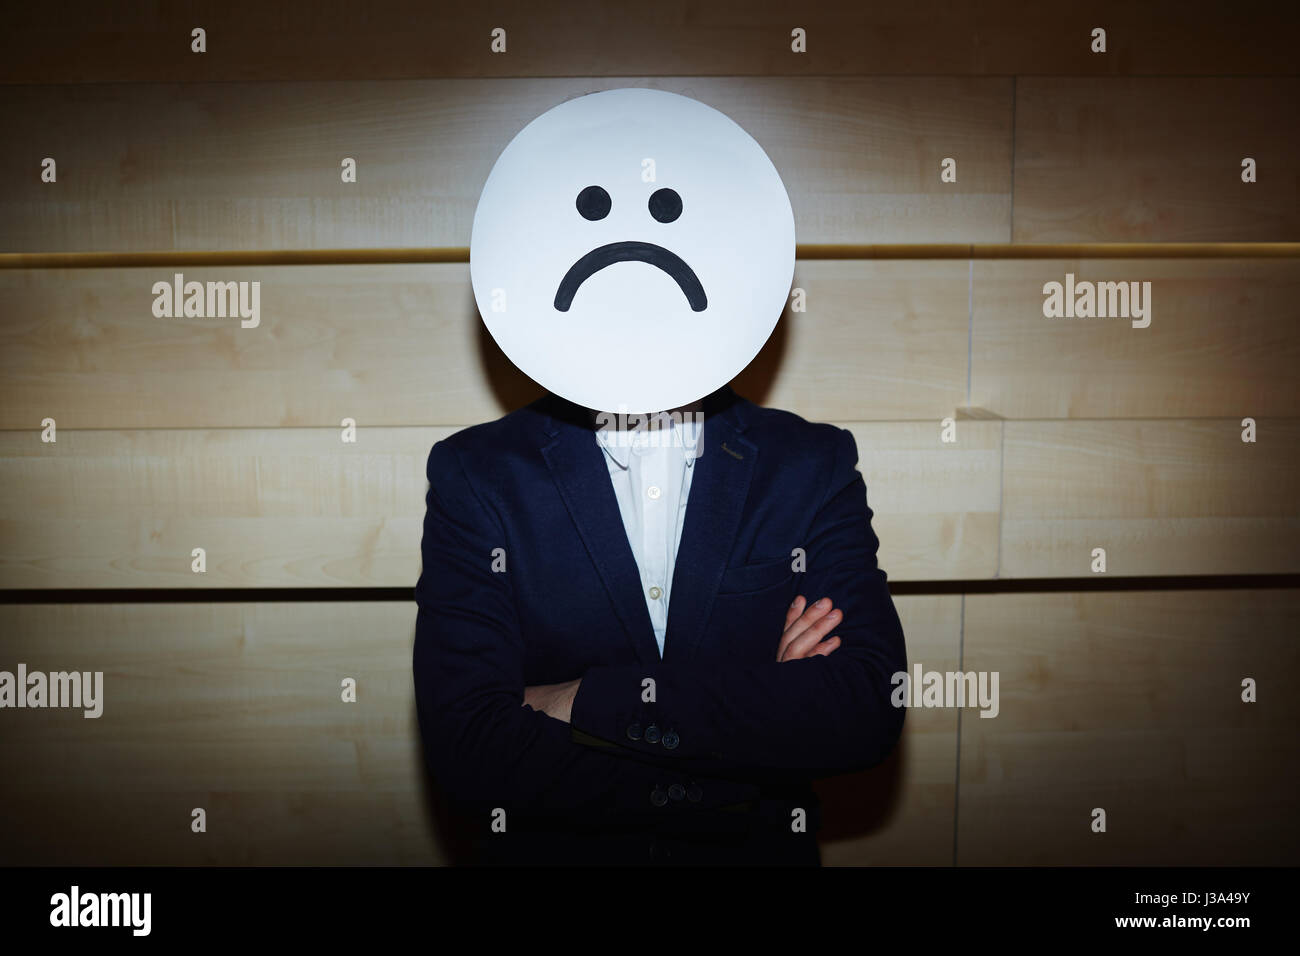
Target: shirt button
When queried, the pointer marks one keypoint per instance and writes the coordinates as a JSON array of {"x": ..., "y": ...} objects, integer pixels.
[
  {"x": 671, "y": 740},
  {"x": 652, "y": 734},
  {"x": 676, "y": 791},
  {"x": 653, "y": 492},
  {"x": 656, "y": 594},
  {"x": 658, "y": 797}
]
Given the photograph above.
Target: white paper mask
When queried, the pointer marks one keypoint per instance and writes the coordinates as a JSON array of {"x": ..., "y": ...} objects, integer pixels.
[{"x": 632, "y": 250}]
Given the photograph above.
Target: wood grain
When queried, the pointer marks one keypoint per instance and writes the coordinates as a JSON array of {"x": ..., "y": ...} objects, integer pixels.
[
  {"x": 216, "y": 166},
  {"x": 1221, "y": 341},
  {"x": 300, "y": 508},
  {"x": 236, "y": 708},
  {"x": 1156, "y": 159},
  {"x": 84, "y": 41},
  {"x": 404, "y": 345},
  {"x": 1131, "y": 702},
  {"x": 1161, "y": 497}
]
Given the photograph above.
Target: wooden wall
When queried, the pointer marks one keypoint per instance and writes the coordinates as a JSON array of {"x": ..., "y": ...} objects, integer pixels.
[{"x": 1119, "y": 690}]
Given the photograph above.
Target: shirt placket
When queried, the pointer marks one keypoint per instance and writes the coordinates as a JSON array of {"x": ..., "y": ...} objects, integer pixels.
[{"x": 654, "y": 497}]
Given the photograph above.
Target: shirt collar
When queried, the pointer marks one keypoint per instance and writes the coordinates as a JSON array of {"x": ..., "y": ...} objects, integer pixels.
[{"x": 619, "y": 434}]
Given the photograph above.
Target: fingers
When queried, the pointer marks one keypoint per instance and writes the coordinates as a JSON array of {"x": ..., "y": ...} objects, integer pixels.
[
  {"x": 811, "y": 635},
  {"x": 797, "y": 623},
  {"x": 822, "y": 649},
  {"x": 798, "y": 618},
  {"x": 796, "y": 609},
  {"x": 825, "y": 647}
]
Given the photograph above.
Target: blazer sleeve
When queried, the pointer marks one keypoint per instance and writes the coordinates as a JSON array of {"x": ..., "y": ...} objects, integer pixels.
[
  {"x": 483, "y": 746},
  {"x": 807, "y": 718}
]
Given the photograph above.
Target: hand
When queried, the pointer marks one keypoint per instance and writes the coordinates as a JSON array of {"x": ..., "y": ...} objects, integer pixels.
[
  {"x": 555, "y": 700},
  {"x": 804, "y": 630}
]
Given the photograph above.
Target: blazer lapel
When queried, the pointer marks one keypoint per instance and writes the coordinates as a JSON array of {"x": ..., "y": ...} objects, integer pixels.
[
  {"x": 719, "y": 488},
  {"x": 578, "y": 466}
]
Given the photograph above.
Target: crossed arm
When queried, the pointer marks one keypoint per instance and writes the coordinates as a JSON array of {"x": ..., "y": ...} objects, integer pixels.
[
  {"x": 818, "y": 707},
  {"x": 804, "y": 636}
]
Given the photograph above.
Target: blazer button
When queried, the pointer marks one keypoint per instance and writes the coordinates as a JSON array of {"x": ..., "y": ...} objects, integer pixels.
[
  {"x": 634, "y": 732},
  {"x": 652, "y": 734},
  {"x": 658, "y": 797},
  {"x": 694, "y": 793},
  {"x": 671, "y": 740},
  {"x": 676, "y": 791}
]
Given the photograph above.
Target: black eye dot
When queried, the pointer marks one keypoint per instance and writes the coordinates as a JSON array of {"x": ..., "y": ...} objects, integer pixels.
[
  {"x": 665, "y": 204},
  {"x": 593, "y": 203}
]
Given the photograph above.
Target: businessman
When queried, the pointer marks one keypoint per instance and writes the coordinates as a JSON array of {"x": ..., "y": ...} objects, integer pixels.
[{"x": 641, "y": 637}]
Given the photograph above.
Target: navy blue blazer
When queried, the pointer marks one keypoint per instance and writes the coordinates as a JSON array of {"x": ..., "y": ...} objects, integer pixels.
[{"x": 721, "y": 753}]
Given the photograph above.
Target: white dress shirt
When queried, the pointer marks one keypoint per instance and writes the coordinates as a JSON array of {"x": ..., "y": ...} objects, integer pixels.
[{"x": 651, "y": 471}]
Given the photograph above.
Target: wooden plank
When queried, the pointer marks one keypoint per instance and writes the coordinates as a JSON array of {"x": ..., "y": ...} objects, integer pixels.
[
  {"x": 935, "y": 504},
  {"x": 214, "y": 166},
  {"x": 1221, "y": 341},
  {"x": 1178, "y": 37},
  {"x": 300, "y": 508},
  {"x": 1161, "y": 497},
  {"x": 1156, "y": 160},
  {"x": 1132, "y": 702},
  {"x": 901, "y": 812},
  {"x": 272, "y": 508},
  {"x": 390, "y": 39},
  {"x": 879, "y": 341},
  {"x": 235, "y": 707},
  {"x": 404, "y": 345},
  {"x": 384, "y": 345},
  {"x": 281, "y": 828}
]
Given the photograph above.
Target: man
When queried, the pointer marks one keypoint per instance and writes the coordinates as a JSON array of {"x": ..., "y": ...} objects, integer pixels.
[{"x": 640, "y": 645}]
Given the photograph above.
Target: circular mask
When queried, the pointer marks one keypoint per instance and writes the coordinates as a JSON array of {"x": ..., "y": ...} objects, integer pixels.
[{"x": 632, "y": 250}]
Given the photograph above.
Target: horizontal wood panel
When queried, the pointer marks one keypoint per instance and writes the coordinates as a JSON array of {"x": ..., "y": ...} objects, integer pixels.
[
  {"x": 1162, "y": 498},
  {"x": 1128, "y": 701},
  {"x": 1096, "y": 159},
  {"x": 256, "y": 166},
  {"x": 389, "y": 39},
  {"x": 404, "y": 345},
  {"x": 80, "y": 827},
  {"x": 1156, "y": 160},
  {"x": 1132, "y": 702},
  {"x": 1221, "y": 341},
  {"x": 300, "y": 508},
  {"x": 236, "y": 708}
]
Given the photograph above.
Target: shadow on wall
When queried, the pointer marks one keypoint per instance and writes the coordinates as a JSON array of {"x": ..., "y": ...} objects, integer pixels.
[
  {"x": 452, "y": 844},
  {"x": 858, "y": 805}
]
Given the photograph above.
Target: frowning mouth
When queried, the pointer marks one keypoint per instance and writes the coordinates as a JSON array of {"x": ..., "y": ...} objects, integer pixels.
[{"x": 610, "y": 253}]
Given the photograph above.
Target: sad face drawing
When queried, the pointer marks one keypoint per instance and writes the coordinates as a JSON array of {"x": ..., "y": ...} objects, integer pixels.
[{"x": 632, "y": 250}]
